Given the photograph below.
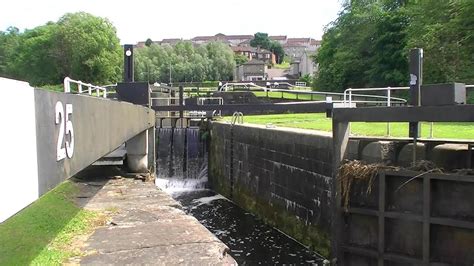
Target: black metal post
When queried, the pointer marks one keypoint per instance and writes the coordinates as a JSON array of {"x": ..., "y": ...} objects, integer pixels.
[
  {"x": 181, "y": 100},
  {"x": 416, "y": 80},
  {"x": 128, "y": 63}
]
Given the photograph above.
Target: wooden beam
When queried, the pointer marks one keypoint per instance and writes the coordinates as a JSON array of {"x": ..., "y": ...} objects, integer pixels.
[
  {"x": 451, "y": 113},
  {"x": 340, "y": 139},
  {"x": 319, "y": 107}
]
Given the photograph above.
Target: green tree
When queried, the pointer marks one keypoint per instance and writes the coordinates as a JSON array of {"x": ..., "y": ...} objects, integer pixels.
[
  {"x": 79, "y": 45},
  {"x": 369, "y": 42},
  {"x": 9, "y": 42},
  {"x": 363, "y": 47},
  {"x": 262, "y": 40},
  {"x": 184, "y": 62},
  {"x": 88, "y": 48},
  {"x": 240, "y": 59},
  {"x": 148, "y": 42}
]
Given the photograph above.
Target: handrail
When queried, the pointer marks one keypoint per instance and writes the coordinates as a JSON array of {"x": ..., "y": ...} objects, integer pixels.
[
  {"x": 220, "y": 101},
  {"x": 90, "y": 87},
  {"x": 348, "y": 94},
  {"x": 201, "y": 100},
  {"x": 237, "y": 117}
]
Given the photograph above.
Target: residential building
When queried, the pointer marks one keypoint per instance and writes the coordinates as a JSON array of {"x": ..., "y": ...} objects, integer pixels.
[
  {"x": 251, "y": 71},
  {"x": 232, "y": 40},
  {"x": 282, "y": 39},
  {"x": 303, "y": 65},
  {"x": 296, "y": 47},
  {"x": 255, "y": 53}
]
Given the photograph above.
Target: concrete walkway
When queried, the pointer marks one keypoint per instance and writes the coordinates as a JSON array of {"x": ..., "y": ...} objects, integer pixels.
[{"x": 148, "y": 227}]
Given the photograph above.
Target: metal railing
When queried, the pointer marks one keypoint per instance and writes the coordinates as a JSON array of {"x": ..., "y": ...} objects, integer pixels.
[
  {"x": 300, "y": 84},
  {"x": 388, "y": 99},
  {"x": 209, "y": 100},
  {"x": 83, "y": 87},
  {"x": 348, "y": 94}
]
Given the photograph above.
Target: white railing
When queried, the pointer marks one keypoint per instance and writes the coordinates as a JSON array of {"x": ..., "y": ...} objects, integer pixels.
[
  {"x": 300, "y": 84},
  {"x": 83, "y": 87},
  {"x": 389, "y": 99},
  {"x": 206, "y": 100},
  {"x": 168, "y": 101},
  {"x": 203, "y": 100},
  {"x": 348, "y": 101}
]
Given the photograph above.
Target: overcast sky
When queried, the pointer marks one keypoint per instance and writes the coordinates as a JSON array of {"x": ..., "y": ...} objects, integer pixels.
[{"x": 138, "y": 20}]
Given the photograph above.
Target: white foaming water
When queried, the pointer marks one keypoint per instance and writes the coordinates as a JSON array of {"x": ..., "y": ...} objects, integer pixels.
[
  {"x": 177, "y": 185},
  {"x": 207, "y": 200}
]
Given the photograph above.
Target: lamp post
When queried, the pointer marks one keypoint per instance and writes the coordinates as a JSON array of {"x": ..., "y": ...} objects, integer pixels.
[{"x": 170, "y": 75}]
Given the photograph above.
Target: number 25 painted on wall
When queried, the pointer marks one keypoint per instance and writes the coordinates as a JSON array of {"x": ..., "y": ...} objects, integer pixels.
[{"x": 65, "y": 130}]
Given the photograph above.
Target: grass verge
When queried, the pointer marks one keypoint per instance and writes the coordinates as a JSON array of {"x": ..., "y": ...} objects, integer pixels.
[
  {"x": 44, "y": 233},
  {"x": 443, "y": 130}
]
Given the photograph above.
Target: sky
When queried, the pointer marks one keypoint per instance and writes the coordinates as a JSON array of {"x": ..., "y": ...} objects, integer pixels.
[{"x": 138, "y": 20}]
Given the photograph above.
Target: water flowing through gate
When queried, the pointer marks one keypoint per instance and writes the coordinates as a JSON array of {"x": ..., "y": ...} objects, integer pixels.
[{"x": 181, "y": 159}]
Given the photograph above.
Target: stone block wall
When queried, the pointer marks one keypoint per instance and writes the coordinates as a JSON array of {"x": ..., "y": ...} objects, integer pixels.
[{"x": 284, "y": 176}]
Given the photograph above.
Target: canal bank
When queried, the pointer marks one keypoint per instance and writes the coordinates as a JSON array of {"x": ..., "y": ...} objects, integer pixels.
[{"x": 147, "y": 227}]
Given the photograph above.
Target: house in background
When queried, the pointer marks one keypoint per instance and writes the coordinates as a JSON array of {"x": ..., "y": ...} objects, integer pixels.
[
  {"x": 255, "y": 53},
  {"x": 232, "y": 40},
  {"x": 281, "y": 39},
  {"x": 251, "y": 71},
  {"x": 299, "y": 50},
  {"x": 303, "y": 65},
  {"x": 296, "y": 47}
]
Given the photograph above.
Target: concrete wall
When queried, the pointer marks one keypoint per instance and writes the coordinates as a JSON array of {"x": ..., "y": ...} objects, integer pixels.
[
  {"x": 19, "y": 178},
  {"x": 31, "y": 135},
  {"x": 282, "y": 175}
]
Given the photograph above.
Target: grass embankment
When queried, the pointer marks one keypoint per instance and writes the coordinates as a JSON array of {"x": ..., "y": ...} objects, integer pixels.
[
  {"x": 44, "y": 233},
  {"x": 320, "y": 122},
  {"x": 283, "y": 65}
]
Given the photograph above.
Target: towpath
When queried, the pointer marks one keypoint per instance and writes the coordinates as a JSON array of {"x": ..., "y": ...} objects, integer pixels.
[{"x": 147, "y": 227}]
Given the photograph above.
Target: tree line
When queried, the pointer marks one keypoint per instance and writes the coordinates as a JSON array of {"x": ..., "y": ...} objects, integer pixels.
[
  {"x": 368, "y": 44},
  {"x": 184, "y": 62},
  {"x": 85, "y": 47},
  {"x": 78, "y": 45}
]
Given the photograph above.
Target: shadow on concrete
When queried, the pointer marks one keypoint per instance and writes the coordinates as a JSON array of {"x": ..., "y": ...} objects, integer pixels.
[{"x": 27, "y": 233}]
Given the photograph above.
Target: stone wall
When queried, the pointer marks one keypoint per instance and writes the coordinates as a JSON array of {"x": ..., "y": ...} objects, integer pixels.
[{"x": 284, "y": 176}]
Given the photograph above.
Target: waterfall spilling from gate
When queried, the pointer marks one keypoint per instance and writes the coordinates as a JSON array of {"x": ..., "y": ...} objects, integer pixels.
[{"x": 181, "y": 159}]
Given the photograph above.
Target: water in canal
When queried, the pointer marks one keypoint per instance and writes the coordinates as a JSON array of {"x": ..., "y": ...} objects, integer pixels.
[{"x": 250, "y": 240}]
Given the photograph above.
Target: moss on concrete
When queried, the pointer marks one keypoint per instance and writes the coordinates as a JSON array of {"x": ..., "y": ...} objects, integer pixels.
[
  {"x": 277, "y": 216},
  {"x": 308, "y": 234}
]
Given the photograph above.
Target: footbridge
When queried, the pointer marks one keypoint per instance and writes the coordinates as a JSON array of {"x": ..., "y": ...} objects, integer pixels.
[{"x": 50, "y": 136}]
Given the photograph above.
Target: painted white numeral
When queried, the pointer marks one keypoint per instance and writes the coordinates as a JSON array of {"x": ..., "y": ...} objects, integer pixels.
[
  {"x": 70, "y": 132},
  {"x": 60, "y": 151},
  {"x": 66, "y": 131}
]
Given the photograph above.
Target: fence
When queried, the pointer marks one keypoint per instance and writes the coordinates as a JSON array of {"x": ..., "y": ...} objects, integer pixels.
[{"x": 89, "y": 88}]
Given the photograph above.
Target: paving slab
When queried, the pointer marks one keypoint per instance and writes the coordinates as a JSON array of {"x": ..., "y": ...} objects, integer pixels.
[{"x": 147, "y": 227}]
